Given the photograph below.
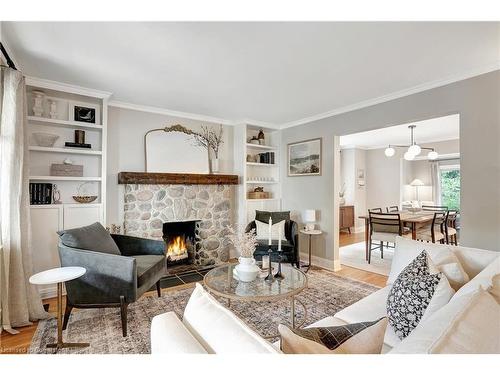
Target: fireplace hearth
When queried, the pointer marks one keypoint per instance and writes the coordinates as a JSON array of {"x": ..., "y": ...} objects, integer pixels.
[{"x": 181, "y": 241}]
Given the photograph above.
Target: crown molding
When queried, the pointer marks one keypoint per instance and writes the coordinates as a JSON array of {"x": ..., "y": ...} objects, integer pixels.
[
  {"x": 169, "y": 112},
  {"x": 61, "y": 86},
  {"x": 190, "y": 116},
  {"x": 395, "y": 95}
]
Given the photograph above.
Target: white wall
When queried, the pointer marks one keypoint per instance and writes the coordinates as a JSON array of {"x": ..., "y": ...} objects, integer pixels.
[
  {"x": 126, "y": 129},
  {"x": 351, "y": 161},
  {"x": 475, "y": 99}
]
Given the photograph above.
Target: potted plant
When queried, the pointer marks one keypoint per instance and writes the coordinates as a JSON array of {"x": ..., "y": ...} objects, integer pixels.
[
  {"x": 245, "y": 243},
  {"x": 209, "y": 138}
]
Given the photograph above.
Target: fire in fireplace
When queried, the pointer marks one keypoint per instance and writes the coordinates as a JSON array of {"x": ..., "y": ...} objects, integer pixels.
[
  {"x": 177, "y": 249},
  {"x": 180, "y": 238}
]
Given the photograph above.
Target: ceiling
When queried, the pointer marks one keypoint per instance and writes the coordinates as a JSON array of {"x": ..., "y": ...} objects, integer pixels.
[
  {"x": 427, "y": 131},
  {"x": 275, "y": 72}
]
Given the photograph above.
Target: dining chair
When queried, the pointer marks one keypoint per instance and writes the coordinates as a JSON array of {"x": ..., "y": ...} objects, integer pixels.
[
  {"x": 392, "y": 209},
  {"x": 434, "y": 208},
  {"x": 451, "y": 227},
  {"x": 436, "y": 231},
  {"x": 383, "y": 227}
]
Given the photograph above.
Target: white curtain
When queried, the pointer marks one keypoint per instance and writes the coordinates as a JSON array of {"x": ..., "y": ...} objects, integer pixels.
[
  {"x": 20, "y": 302},
  {"x": 436, "y": 182}
]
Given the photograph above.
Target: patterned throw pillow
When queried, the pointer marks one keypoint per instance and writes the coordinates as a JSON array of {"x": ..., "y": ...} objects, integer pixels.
[
  {"x": 355, "y": 338},
  {"x": 410, "y": 295}
]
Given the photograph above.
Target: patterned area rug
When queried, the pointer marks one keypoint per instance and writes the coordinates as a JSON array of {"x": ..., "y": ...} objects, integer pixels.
[{"x": 325, "y": 295}]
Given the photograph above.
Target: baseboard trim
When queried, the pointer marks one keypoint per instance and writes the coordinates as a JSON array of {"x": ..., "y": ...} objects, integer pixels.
[{"x": 327, "y": 264}]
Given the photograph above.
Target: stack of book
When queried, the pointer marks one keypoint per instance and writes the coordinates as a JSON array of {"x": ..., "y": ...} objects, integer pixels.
[
  {"x": 79, "y": 145},
  {"x": 266, "y": 158},
  {"x": 40, "y": 193}
]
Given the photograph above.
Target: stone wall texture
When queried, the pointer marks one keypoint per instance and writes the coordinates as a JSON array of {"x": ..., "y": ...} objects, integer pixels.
[{"x": 147, "y": 207}]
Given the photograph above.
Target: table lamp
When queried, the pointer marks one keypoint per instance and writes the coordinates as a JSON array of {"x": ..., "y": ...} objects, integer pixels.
[
  {"x": 416, "y": 182},
  {"x": 310, "y": 219}
]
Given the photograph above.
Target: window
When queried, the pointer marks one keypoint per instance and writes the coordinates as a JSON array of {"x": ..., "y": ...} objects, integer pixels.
[{"x": 450, "y": 186}]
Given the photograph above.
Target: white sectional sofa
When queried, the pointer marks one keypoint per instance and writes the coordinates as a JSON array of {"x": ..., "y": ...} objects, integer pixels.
[{"x": 208, "y": 327}]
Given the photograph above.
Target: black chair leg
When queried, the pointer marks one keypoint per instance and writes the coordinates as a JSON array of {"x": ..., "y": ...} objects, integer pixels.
[
  {"x": 382, "y": 249},
  {"x": 123, "y": 313},
  {"x": 370, "y": 252},
  {"x": 67, "y": 313},
  {"x": 158, "y": 288}
]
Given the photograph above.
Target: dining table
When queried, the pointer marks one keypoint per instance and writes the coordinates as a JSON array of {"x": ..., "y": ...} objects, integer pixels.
[{"x": 409, "y": 219}]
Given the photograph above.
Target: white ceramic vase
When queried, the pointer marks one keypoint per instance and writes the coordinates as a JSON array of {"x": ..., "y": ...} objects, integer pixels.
[{"x": 247, "y": 270}]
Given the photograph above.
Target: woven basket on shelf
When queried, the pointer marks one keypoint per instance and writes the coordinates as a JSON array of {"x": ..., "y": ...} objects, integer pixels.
[{"x": 84, "y": 198}]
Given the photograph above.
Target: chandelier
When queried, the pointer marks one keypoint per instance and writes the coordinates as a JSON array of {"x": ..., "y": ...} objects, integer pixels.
[{"x": 413, "y": 148}]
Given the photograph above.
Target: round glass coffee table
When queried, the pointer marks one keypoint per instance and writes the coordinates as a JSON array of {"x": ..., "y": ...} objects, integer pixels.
[{"x": 221, "y": 282}]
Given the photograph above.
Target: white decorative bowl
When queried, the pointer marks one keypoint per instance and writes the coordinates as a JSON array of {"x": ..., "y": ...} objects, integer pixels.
[{"x": 45, "y": 139}]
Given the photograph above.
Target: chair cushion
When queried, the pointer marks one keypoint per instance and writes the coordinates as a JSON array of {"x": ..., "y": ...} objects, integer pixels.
[
  {"x": 427, "y": 236},
  {"x": 93, "y": 237},
  {"x": 451, "y": 231},
  {"x": 276, "y": 216},
  {"x": 148, "y": 268},
  {"x": 384, "y": 236}
]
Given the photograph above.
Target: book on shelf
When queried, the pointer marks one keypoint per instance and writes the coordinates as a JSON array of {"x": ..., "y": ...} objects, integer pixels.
[
  {"x": 266, "y": 158},
  {"x": 78, "y": 145},
  {"x": 40, "y": 193}
]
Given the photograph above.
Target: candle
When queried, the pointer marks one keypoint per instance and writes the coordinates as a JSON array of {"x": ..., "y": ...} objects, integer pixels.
[
  {"x": 270, "y": 229},
  {"x": 265, "y": 261},
  {"x": 279, "y": 238}
]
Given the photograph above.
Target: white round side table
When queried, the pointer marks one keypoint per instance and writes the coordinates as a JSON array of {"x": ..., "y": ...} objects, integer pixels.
[
  {"x": 59, "y": 276},
  {"x": 310, "y": 233}
]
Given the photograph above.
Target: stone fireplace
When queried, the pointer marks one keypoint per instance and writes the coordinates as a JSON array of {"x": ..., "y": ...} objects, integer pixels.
[{"x": 150, "y": 208}]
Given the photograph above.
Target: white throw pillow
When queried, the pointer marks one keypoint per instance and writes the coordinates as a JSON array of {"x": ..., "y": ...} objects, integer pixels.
[
  {"x": 263, "y": 230},
  {"x": 441, "y": 255},
  {"x": 218, "y": 330},
  {"x": 483, "y": 279},
  {"x": 468, "y": 324}
]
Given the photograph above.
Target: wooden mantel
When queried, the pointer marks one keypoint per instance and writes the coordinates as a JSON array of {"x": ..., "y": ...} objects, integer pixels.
[{"x": 144, "y": 178}]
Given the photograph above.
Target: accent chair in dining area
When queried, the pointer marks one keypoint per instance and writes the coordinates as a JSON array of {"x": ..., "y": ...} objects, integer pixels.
[
  {"x": 384, "y": 227},
  {"x": 435, "y": 232}
]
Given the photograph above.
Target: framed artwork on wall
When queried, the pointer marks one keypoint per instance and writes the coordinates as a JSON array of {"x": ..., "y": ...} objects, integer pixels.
[
  {"x": 304, "y": 158},
  {"x": 84, "y": 112}
]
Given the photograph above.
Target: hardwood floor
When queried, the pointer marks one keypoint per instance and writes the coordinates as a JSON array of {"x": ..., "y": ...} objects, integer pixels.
[{"x": 19, "y": 344}]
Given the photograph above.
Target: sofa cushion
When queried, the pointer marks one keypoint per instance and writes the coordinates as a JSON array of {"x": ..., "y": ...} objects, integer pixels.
[
  {"x": 416, "y": 292},
  {"x": 355, "y": 338},
  {"x": 441, "y": 255},
  {"x": 482, "y": 279},
  {"x": 370, "y": 308},
  {"x": 91, "y": 237},
  {"x": 277, "y": 216},
  {"x": 148, "y": 268},
  {"x": 218, "y": 330},
  {"x": 170, "y": 336},
  {"x": 468, "y": 324}
]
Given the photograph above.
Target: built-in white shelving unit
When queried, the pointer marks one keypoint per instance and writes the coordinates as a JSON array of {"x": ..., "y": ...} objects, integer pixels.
[
  {"x": 255, "y": 174},
  {"x": 47, "y": 219}
]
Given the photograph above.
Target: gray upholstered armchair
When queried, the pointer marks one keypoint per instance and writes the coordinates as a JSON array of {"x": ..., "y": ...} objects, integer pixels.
[{"x": 119, "y": 268}]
